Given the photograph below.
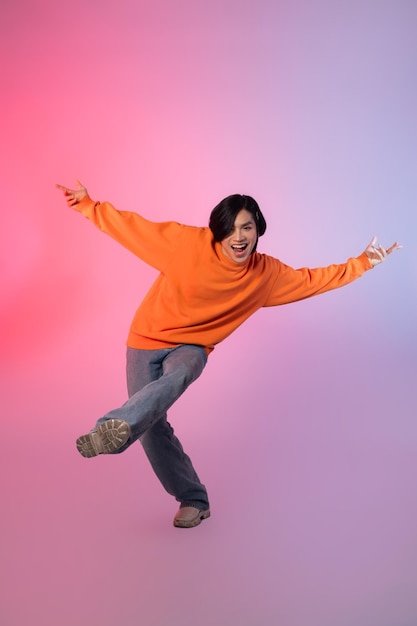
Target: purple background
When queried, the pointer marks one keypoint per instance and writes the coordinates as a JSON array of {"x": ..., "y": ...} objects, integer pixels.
[{"x": 303, "y": 426}]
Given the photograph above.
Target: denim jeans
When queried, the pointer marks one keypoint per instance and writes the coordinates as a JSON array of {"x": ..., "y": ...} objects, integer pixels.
[{"x": 155, "y": 380}]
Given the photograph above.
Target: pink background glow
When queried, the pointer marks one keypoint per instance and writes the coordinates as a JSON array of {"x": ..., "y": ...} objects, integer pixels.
[{"x": 303, "y": 426}]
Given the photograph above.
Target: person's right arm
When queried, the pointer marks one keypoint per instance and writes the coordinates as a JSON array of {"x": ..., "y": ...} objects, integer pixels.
[{"x": 153, "y": 242}]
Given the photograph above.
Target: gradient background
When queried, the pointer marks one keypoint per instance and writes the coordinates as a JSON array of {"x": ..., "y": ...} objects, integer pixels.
[{"x": 303, "y": 425}]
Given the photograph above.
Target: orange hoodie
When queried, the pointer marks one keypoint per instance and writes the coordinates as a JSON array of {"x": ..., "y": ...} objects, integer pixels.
[{"x": 200, "y": 295}]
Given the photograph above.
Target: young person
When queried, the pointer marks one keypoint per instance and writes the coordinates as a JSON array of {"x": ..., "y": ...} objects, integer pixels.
[{"x": 210, "y": 281}]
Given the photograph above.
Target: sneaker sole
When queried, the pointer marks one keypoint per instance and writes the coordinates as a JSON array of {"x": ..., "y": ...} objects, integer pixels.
[
  {"x": 107, "y": 438},
  {"x": 178, "y": 523}
]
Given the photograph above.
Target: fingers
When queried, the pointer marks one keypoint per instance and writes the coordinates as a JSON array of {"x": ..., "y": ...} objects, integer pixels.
[
  {"x": 377, "y": 253},
  {"x": 380, "y": 249},
  {"x": 73, "y": 196},
  {"x": 395, "y": 246},
  {"x": 381, "y": 253},
  {"x": 61, "y": 187},
  {"x": 67, "y": 191},
  {"x": 70, "y": 195},
  {"x": 81, "y": 187}
]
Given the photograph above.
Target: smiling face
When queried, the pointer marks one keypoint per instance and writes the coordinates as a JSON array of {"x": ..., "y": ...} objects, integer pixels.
[{"x": 241, "y": 240}]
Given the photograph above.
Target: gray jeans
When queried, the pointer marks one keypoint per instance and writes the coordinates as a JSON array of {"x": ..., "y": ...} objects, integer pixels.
[{"x": 155, "y": 380}]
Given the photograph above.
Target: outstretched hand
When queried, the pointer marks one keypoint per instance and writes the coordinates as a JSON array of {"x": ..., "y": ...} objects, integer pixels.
[
  {"x": 378, "y": 254},
  {"x": 73, "y": 196}
]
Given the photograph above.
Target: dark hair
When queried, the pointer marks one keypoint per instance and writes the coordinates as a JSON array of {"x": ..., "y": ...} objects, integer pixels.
[{"x": 224, "y": 214}]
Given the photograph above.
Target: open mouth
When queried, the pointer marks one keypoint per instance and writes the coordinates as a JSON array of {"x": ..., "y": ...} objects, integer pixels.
[{"x": 239, "y": 251}]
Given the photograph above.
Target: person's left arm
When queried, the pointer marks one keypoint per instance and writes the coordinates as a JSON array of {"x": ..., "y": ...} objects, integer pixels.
[{"x": 297, "y": 284}]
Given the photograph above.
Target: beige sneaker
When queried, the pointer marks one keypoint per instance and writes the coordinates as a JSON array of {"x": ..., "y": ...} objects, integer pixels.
[
  {"x": 108, "y": 437},
  {"x": 190, "y": 516}
]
